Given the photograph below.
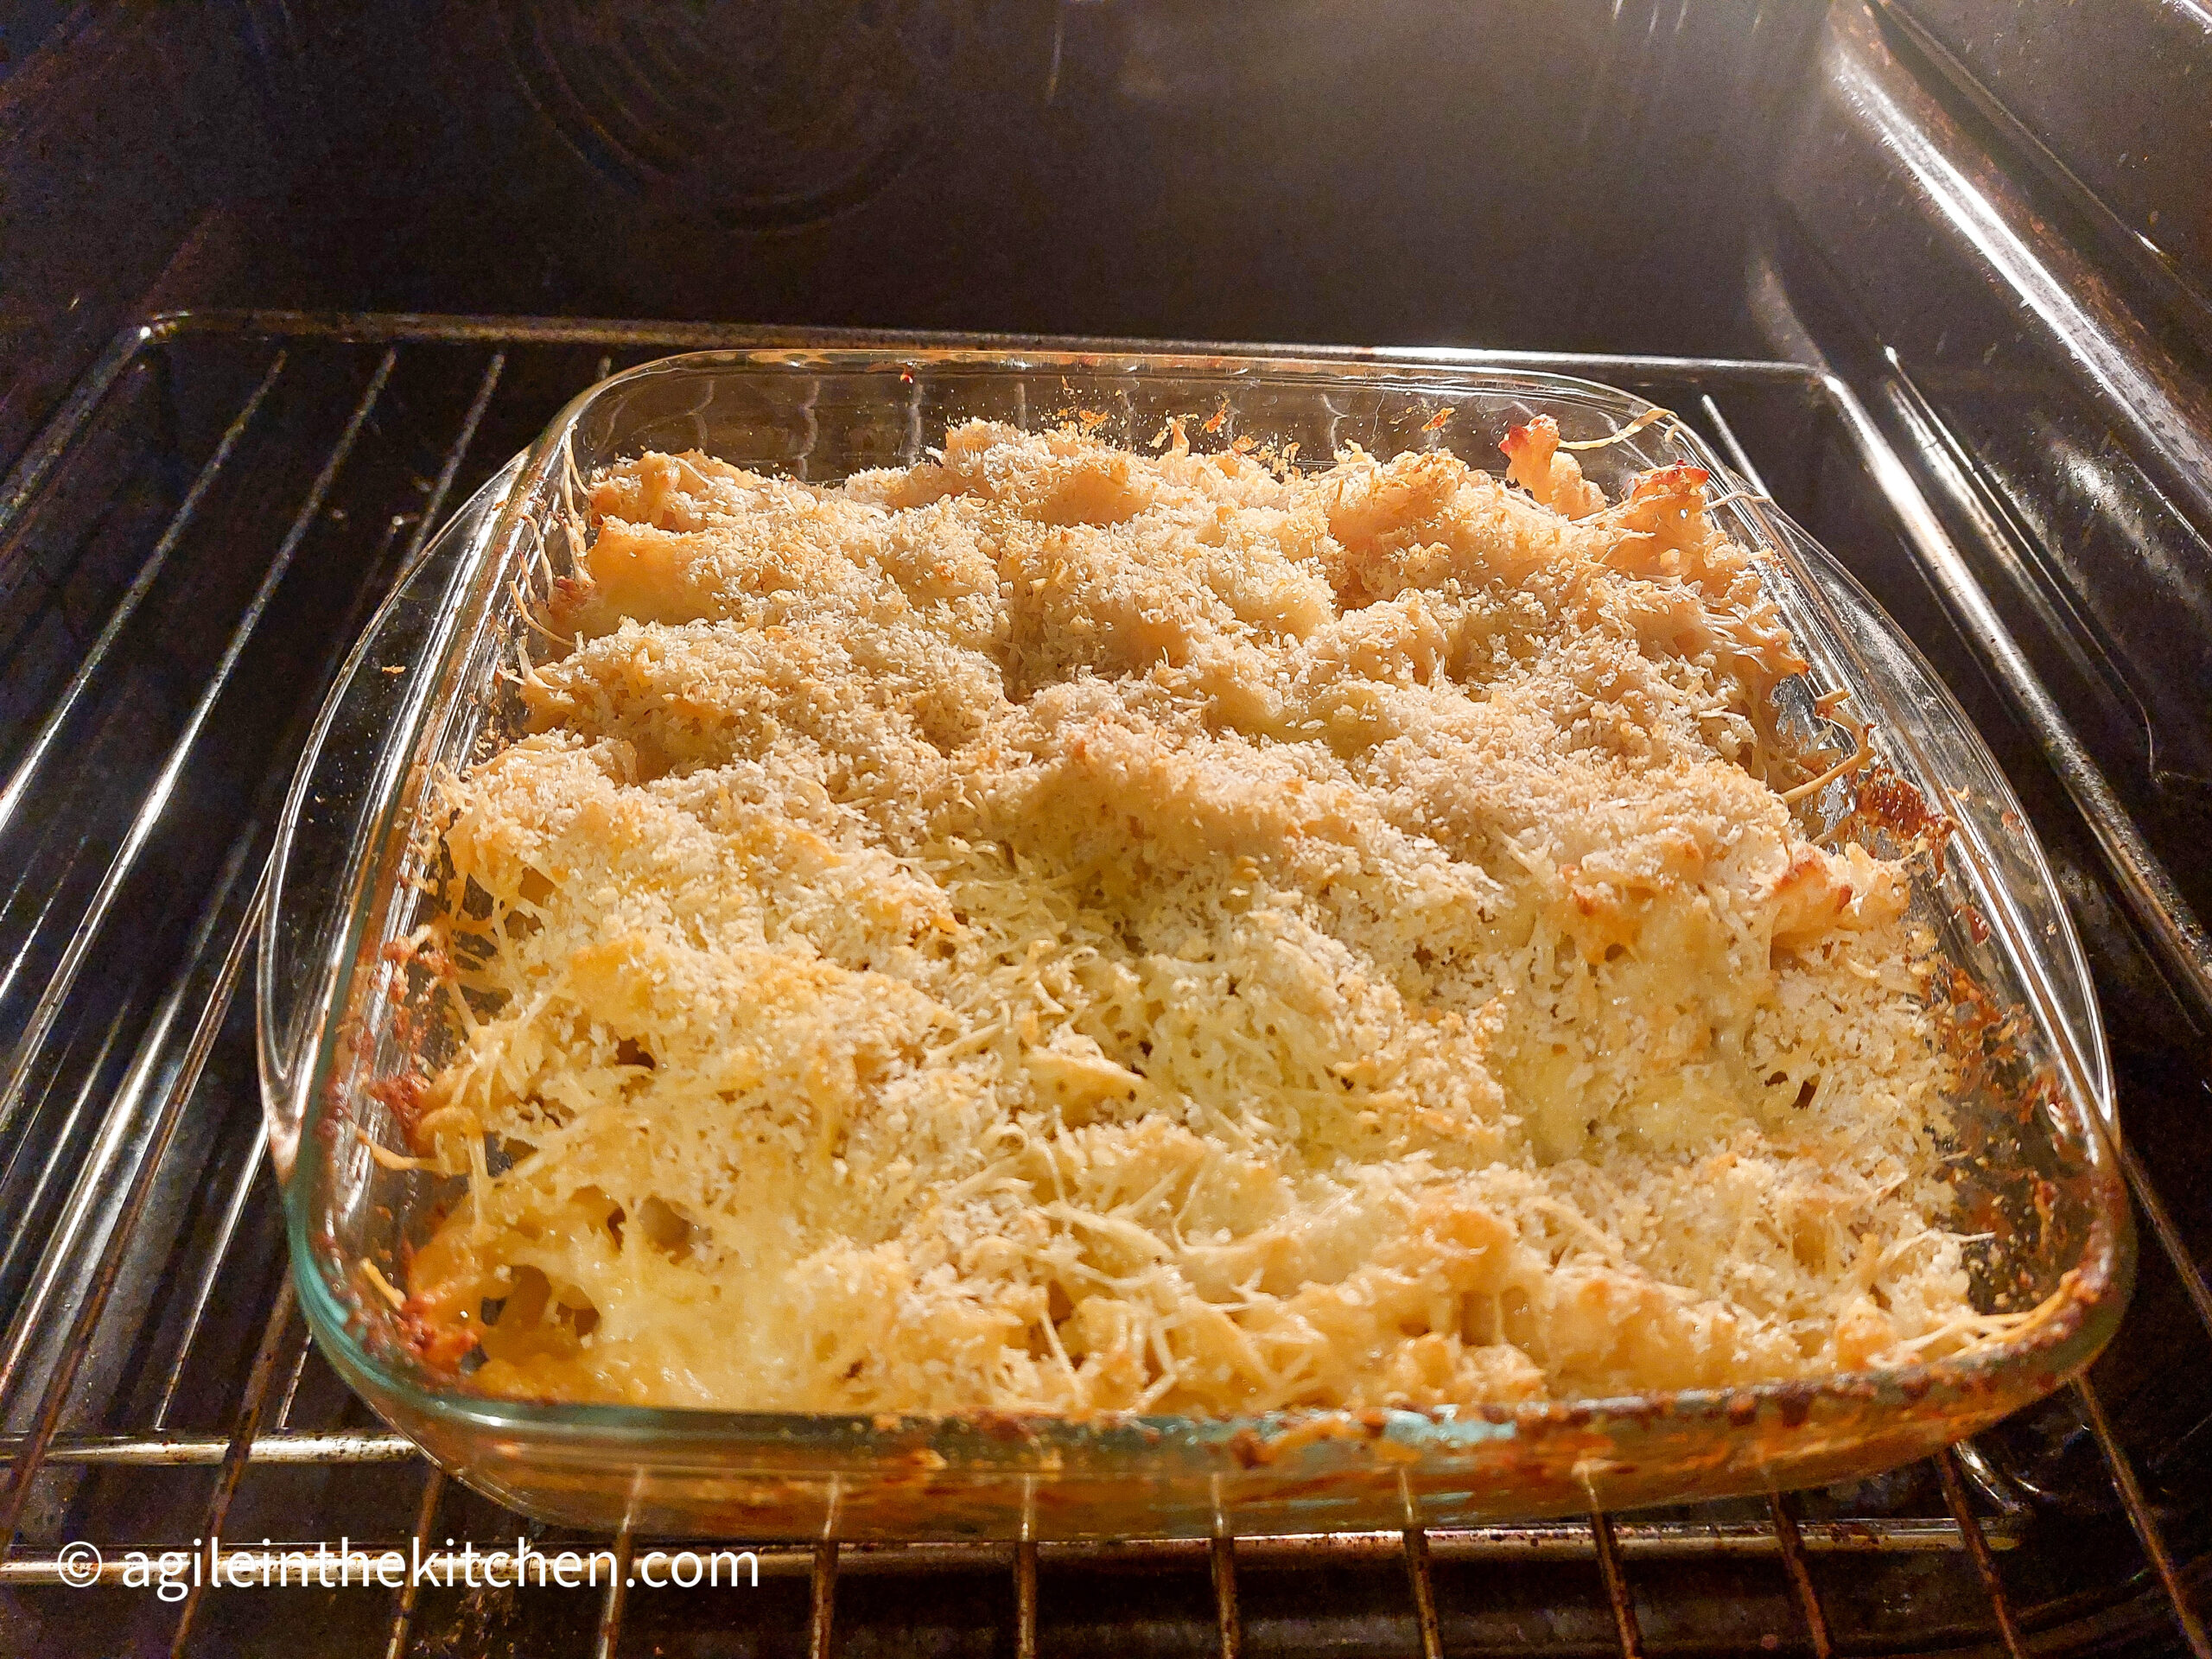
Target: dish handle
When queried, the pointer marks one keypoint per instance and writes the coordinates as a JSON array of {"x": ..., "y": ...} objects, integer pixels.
[{"x": 352, "y": 776}]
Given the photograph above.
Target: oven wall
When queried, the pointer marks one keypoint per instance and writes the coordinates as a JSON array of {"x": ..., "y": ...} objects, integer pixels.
[
  {"x": 1406, "y": 170},
  {"x": 1580, "y": 175},
  {"x": 130, "y": 137},
  {"x": 2051, "y": 385}
]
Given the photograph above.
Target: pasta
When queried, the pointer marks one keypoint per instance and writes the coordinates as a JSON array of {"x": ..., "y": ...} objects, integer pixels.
[{"x": 1058, "y": 929}]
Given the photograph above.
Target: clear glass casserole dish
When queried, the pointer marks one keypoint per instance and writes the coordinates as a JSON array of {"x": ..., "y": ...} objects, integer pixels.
[{"x": 423, "y": 692}]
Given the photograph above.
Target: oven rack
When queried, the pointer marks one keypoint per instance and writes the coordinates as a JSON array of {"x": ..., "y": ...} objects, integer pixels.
[{"x": 185, "y": 554}]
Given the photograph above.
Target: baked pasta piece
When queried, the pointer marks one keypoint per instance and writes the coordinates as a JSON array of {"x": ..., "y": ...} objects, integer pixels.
[{"x": 1062, "y": 930}]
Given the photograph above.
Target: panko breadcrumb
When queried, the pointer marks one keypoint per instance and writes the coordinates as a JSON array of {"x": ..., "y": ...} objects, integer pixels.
[{"x": 1066, "y": 931}]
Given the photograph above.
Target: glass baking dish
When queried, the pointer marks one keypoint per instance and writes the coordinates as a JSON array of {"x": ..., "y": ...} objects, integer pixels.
[{"x": 428, "y": 689}]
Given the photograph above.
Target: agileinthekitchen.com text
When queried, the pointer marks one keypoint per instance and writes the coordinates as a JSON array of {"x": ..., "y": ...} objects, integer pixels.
[{"x": 172, "y": 1573}]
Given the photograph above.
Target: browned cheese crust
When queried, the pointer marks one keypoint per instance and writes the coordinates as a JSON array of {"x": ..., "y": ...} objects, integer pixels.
[{"x": 1063, "y": 930}]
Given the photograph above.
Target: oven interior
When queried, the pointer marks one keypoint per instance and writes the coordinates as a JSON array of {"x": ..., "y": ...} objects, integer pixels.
[{"x": 286, "y": 279}]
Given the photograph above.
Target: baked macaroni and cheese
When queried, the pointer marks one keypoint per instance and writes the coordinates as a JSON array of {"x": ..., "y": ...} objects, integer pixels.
[{"x": 1064, "y": 930}]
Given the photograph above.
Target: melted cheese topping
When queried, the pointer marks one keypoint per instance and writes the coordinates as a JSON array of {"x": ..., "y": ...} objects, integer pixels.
[{"x": 1058, "y": 930}]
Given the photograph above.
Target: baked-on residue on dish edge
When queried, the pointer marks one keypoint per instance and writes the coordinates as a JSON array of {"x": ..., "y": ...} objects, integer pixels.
[{"x": 1064, "y": 930}]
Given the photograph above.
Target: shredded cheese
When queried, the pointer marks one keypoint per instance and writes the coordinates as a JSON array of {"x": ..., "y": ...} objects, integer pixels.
[{"x": 1057, "y": 929}]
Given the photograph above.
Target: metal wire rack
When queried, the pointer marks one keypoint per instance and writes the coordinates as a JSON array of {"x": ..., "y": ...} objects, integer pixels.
[{"x": 184, "y": 554}]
